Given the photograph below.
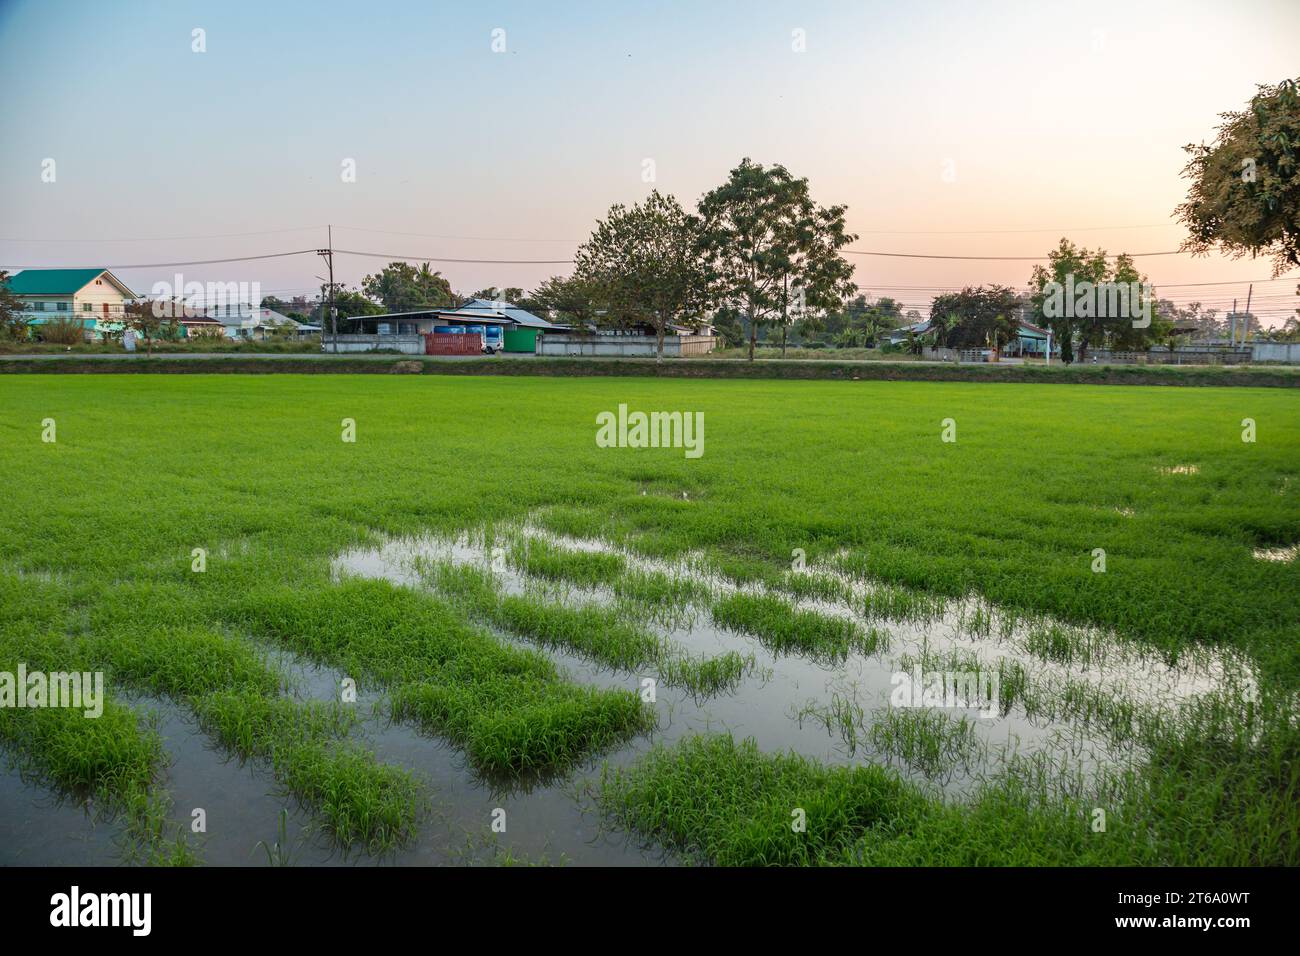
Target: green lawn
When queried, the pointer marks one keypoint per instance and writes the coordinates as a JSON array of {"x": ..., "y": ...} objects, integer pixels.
[{"x": 98, "y": 529}]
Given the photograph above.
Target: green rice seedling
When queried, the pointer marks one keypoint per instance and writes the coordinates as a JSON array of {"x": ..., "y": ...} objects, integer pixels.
[
  {"x": 709, "y": 676},
  {"x": 182, "y": 663},
  {"x": 928, "y": 740},
  {"x": 485, "y": 849},
  {"x": 843, "y": 716},
  {"x": 660, "y": 593},
  {"x": 511, "y": 726},
  {"x": 360, "y": 800},
  {"x": 602, "y": 634},
  {"x": 424, "y": 653},
  {"x": 540, "y": 558},
  {"x": 1062, "y": 645},
  {"x": 822, "y": 587},
  {"x": 113, "y": 760},
  {"x": 976, "y": 619},
  {"x": 787, "y": 630},
  {"x": 1012, "y": 683},
  {"x": 278, "y": 853},
  {"x": 892, "y": 603},
  {"x": 732, "y": 805},
  {"x": 471, "y": 587},
  {"x": 744, "y": 570},
  {"x": 251, "y": 724},
  {"x": 107, "y": 757},
  {"x": 574, "y": 522}
]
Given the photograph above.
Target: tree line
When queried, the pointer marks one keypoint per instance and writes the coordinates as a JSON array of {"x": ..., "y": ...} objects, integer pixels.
[{"x": 757, "y": 253}]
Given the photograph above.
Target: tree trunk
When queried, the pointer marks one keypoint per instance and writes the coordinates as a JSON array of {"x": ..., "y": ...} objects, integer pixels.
[
  {"x": 660, "y": 356},
  {"x": 783, "y": 331},
  {"x": 753, "y": 335}
]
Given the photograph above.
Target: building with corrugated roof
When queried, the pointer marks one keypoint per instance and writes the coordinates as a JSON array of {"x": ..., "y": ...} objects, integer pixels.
[{"x": 94, "y": 296}]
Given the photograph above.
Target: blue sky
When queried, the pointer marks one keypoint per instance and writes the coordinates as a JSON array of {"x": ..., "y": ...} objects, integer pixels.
[{"x": 1052, "y": 116}]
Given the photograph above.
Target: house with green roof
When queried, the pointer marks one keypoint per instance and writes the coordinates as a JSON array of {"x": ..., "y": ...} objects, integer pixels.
[{"x": 95, "y": 297}]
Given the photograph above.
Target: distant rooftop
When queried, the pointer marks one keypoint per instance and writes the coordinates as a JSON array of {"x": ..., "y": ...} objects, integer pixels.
[{"x": 60, "y": 281}]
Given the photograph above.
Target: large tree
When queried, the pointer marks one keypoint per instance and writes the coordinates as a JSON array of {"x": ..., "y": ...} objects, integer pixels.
[
  {"x": 1069, "y": 267},
  {"x": 984, "y": 317},
  {"x": 351, "y": 304},
  {"x": 771, "y": 251},
  {"x": 512, "y": 294},
  {"x": 1064, "y": 261},
  {"x": 643, "y": 262},
  {"x": 1245, "y": 191},
  {"x": 401, "y": 287},
  {"x": 573, "y": 301}
]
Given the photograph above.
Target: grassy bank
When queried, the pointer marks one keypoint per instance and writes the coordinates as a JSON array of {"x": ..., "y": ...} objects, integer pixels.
[{"x": 700, "y": 368}]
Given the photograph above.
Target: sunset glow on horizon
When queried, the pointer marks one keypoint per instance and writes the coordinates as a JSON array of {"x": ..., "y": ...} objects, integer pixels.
[{"x": 947, "y": 131}]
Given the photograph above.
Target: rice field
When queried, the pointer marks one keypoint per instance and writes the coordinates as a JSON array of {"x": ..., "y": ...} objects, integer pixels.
[{"x": 472, "y": 636}]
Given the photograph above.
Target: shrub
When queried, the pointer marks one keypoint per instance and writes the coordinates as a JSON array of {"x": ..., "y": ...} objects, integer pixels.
[{"x": 63, "y": 331}]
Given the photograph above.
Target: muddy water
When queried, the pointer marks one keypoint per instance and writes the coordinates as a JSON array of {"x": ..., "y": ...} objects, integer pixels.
[{"x": 554, "y": 822}]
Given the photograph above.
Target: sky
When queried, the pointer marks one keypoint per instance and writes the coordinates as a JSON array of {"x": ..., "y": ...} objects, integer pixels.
[{"x": 503, "y": 131}]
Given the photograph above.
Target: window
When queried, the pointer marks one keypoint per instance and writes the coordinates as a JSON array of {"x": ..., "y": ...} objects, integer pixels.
[
  {"x": 87, "y": 307},
  {"x": 63, "y": 307},
  {"x": 38, "y": 306}
]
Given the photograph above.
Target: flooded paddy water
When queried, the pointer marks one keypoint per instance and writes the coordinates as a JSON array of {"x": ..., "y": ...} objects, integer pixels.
[{"x": 1067, "y": 695}]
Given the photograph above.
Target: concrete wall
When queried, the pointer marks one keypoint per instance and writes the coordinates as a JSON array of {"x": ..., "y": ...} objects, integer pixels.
[
  {"x": 624, "y": 346},
  {"x": 1288, "y": 352},
  {"x": 408, "y": 344}
]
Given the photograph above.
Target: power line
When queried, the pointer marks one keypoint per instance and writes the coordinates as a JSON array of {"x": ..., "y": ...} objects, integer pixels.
[
  {"x": 1000, "y": 232},
  {"x": 193, "y": 262},
  {"x": 426, "y": 235},
  {"x": 219, "y": 235},
  {"x": 851, "y": 252},
  {"x": 1162, "y": 285},
  {"x": 918, "y": 255},
  {"x": 492, "y": 262}
]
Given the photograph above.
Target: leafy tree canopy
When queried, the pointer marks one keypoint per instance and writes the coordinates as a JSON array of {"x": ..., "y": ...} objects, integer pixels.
[{"x": 1245, "y": 188}]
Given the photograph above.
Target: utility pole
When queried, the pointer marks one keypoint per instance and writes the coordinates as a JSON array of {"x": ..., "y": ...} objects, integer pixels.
[
  {"x": 328, "y": 255},
  {"x": 1232, "y": 329},
  {"x": 1246, "y": 321}
]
